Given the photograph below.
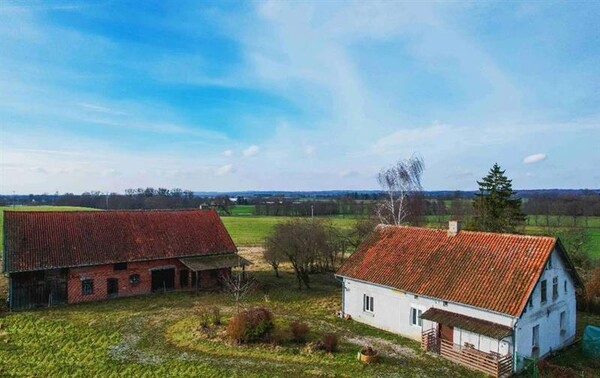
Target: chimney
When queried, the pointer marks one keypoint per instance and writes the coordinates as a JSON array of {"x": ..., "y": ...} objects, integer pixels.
[{"x": 453, "y": 228}]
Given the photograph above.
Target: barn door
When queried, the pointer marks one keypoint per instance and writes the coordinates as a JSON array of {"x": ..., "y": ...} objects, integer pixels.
[
  {"x": 163, "y": 279},
  {"x": 112, "y": 287}
]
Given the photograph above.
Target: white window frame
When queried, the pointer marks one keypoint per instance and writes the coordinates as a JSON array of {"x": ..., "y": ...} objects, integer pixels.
[
  {"x": 543, "y": 292},
  {"x": 368, "y": 303},
  {"x": 563, "y": 321},
  {"x": 535, "y": 331},
  {"x": 416, "y": 311}
]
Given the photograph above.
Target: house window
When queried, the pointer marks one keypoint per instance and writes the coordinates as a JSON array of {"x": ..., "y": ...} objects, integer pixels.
[
  {"x": 565, "y": 285},
  {"x": 563, "y": 322},
  {"x": 528, "y": 305},
  {"x": 549, "y": 265},
  {"x": 543, "y": 293},
  {"x": 120, "y": 266},
  {"x": 445, "y": 303},
  {"x": 87, "y": 287},
  {"x": 184, "y": 277},
  {"x": 555, "y": 288},
  {"x": 415, "y": 317},
  {"x": 368, "y": 303}
]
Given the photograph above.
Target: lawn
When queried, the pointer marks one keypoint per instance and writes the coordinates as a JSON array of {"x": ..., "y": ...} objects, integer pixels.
[{"x": 157, "y": 336}]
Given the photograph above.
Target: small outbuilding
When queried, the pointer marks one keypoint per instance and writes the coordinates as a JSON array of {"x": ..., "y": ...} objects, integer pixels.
[{"x": 62, "y": 257}]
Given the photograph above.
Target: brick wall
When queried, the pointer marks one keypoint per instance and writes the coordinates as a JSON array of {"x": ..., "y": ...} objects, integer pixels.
[{"x": 101, "y": 273}]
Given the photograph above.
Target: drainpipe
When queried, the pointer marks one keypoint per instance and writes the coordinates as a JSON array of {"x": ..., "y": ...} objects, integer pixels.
[
  {"x": 514, "y": 341},
  {"x": 343, "y": 296}
]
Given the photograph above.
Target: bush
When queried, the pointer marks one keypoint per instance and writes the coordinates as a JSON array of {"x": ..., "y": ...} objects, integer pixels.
[
  {"x": 216, "y": 316},
  {"x": 299, "y": 331},
  {"x": 330, "y": 342},
  {"x": 204, "y": 316},
  {"x": 251, "y": 325}
]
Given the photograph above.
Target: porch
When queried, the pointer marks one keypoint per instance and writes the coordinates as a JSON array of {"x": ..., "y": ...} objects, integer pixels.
[
  {"x": 214, "y": 263},
  {"x": 440, "y": 339}
]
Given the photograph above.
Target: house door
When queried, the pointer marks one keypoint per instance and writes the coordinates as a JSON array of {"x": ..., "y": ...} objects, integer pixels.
[
  {"x": 163, "y": 279},
  {"x": 447, "y": 333},
  {"x": 112, "y": 287}
]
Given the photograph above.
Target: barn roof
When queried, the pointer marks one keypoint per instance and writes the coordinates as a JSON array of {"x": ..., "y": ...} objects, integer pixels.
[
  {"x": 492, "y": 271},
  {"x": 43, "y": 240}
]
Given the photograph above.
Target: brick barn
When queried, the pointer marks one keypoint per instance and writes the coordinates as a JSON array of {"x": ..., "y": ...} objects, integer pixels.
[{"x": 54, "y": 258}]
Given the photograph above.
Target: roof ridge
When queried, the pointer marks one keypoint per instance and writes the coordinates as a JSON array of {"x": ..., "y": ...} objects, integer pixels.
[
  {"x": 436, "y": 229},
  {"x": 103, "y": 211}
]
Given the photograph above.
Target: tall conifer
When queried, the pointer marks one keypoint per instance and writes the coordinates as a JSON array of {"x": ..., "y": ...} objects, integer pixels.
[{"x": 497, "y": 208}]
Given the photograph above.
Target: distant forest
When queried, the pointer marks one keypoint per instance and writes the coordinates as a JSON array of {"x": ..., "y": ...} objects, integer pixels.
[{"x": 538, "y": 204}]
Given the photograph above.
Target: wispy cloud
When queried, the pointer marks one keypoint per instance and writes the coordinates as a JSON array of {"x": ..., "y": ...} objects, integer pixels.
[
  {"x": 251, "y": 151},
  {"x": 224, "y": 169},
  {"x": 310, "y": 150},
  {"x": 535, "y": 158}
]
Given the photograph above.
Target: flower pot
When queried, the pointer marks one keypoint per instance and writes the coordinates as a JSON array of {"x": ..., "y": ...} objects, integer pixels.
[{"x": 368, "y": 358}]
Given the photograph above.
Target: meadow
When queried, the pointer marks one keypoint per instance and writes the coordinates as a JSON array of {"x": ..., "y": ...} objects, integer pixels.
[{"x": 157, "y": 336}]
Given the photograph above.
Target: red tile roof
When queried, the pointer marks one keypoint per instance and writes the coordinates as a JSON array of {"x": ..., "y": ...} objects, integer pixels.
[
  {"x": 487, "y": 270},
  {"x": 42, "y": 240}
]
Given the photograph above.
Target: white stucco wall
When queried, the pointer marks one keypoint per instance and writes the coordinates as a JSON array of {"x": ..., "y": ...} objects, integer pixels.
[
  {"x": 392, "y": 310},
  {"x": 547, "y": 315}
]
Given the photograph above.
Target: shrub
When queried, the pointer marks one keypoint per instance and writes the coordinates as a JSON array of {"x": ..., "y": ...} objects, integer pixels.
[
  {"x": 330, "y": 342},
  {"x": 216, "y": 316},
  {"x": 299, "y": 331},
  {"x": 251, "y": 325},
  {"x": 204, "y": 316}
]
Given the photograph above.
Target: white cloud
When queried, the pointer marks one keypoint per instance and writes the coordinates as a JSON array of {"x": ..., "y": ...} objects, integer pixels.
[
  {"x": 228, "y": 153},
  {"x": 225, "y": 169},
  {"x": 535, "y": 158},
  {"x": 409, "y": 137},
  {"x": 251, "y": 151},
  {"x": 310, "y": 150}
]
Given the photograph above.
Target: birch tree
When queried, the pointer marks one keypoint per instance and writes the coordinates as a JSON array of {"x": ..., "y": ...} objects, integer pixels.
[{"x": 398, "y": 182}]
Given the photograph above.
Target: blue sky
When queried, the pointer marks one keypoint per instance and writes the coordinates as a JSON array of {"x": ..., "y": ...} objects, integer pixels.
[{"x": 266, "y": 95}]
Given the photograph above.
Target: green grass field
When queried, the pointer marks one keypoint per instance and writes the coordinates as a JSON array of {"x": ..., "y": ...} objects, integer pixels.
[
  {"x": 157, "y": 336},
  {"x": 252, "y": 230}
]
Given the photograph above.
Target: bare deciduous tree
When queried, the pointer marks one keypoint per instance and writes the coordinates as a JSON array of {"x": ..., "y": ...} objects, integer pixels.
[
  {"x": 273, "y": 255},
  {"x": 398, "y": 182},
  {"x": 309, "y": 245},
  {"x": 239, "y": 285}
]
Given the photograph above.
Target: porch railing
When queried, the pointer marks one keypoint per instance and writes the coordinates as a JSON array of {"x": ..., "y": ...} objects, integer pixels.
[{"x": 489, "y": 363}]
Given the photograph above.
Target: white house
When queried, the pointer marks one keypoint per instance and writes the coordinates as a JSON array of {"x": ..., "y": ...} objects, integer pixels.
[{"x": 485, "y": 300}]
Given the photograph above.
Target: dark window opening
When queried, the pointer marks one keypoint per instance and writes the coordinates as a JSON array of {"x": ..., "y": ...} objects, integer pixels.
[
  {"x": 194, "y": 279},
  {"x": 543, "y": 293},
  {"x": 120, "y": 266},
  {"x": 87, "y": 287},
  {"x": 184, "y": 276}
]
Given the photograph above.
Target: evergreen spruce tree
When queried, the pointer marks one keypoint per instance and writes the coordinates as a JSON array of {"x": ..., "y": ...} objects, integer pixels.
[{"x": 497, "y": 209}]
